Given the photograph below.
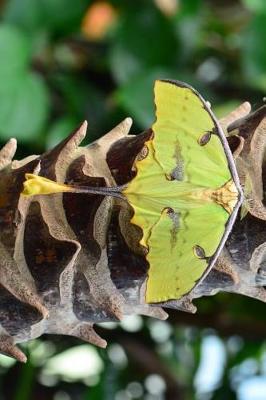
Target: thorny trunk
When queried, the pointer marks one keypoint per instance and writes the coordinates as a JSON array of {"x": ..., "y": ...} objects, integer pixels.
[{"x": 70, "y": 260}]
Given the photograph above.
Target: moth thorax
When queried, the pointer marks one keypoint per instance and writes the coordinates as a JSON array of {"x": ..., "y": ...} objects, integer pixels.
[{"x": 226, "y": 196}]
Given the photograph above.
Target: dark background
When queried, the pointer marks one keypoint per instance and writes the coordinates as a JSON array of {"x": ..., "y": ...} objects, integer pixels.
[{"x": 64, "y": 61}]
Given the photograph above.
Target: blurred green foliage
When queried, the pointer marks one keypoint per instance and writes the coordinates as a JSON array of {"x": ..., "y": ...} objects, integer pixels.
[{"x": 63, "y": 62}]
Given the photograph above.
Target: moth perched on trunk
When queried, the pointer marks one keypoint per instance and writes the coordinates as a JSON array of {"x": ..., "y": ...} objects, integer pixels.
[
  {"x": 187, "y": 179},
  {"x": 123, "y": 226}
]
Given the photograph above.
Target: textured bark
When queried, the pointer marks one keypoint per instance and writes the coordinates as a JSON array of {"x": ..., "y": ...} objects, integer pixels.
[{"x": 70, "y": 260}]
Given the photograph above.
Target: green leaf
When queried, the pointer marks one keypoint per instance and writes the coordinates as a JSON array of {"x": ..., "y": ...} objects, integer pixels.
[
  {"x": 142, "y": 40},
  {"x": 55, "y": 15},
  {"x": 23, "y": 107},
  {"x": 255, "y": 5},
  {"x": 83, "y": 100},
  {"x": 27, "y": 14},
  {"x": 190, "y": 8},
  {"x": 62, "y": 16},
  {"x": 189, "y": 23},
  {"x": 15, "y": 51},
  {"x": 254, "y": 52},
  {"x": 137, "y": 99},
  {"x": 23, "y": 95}
]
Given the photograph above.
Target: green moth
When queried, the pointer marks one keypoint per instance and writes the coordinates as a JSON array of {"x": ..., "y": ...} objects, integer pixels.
[{"x": 185, "y": 195}]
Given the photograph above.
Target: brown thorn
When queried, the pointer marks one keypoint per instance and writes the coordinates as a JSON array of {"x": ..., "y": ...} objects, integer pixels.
[
  {"x": 8, "y": 348},
  {"x": 7, "y": 153},
  {"x": 86, "y": 332}
]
